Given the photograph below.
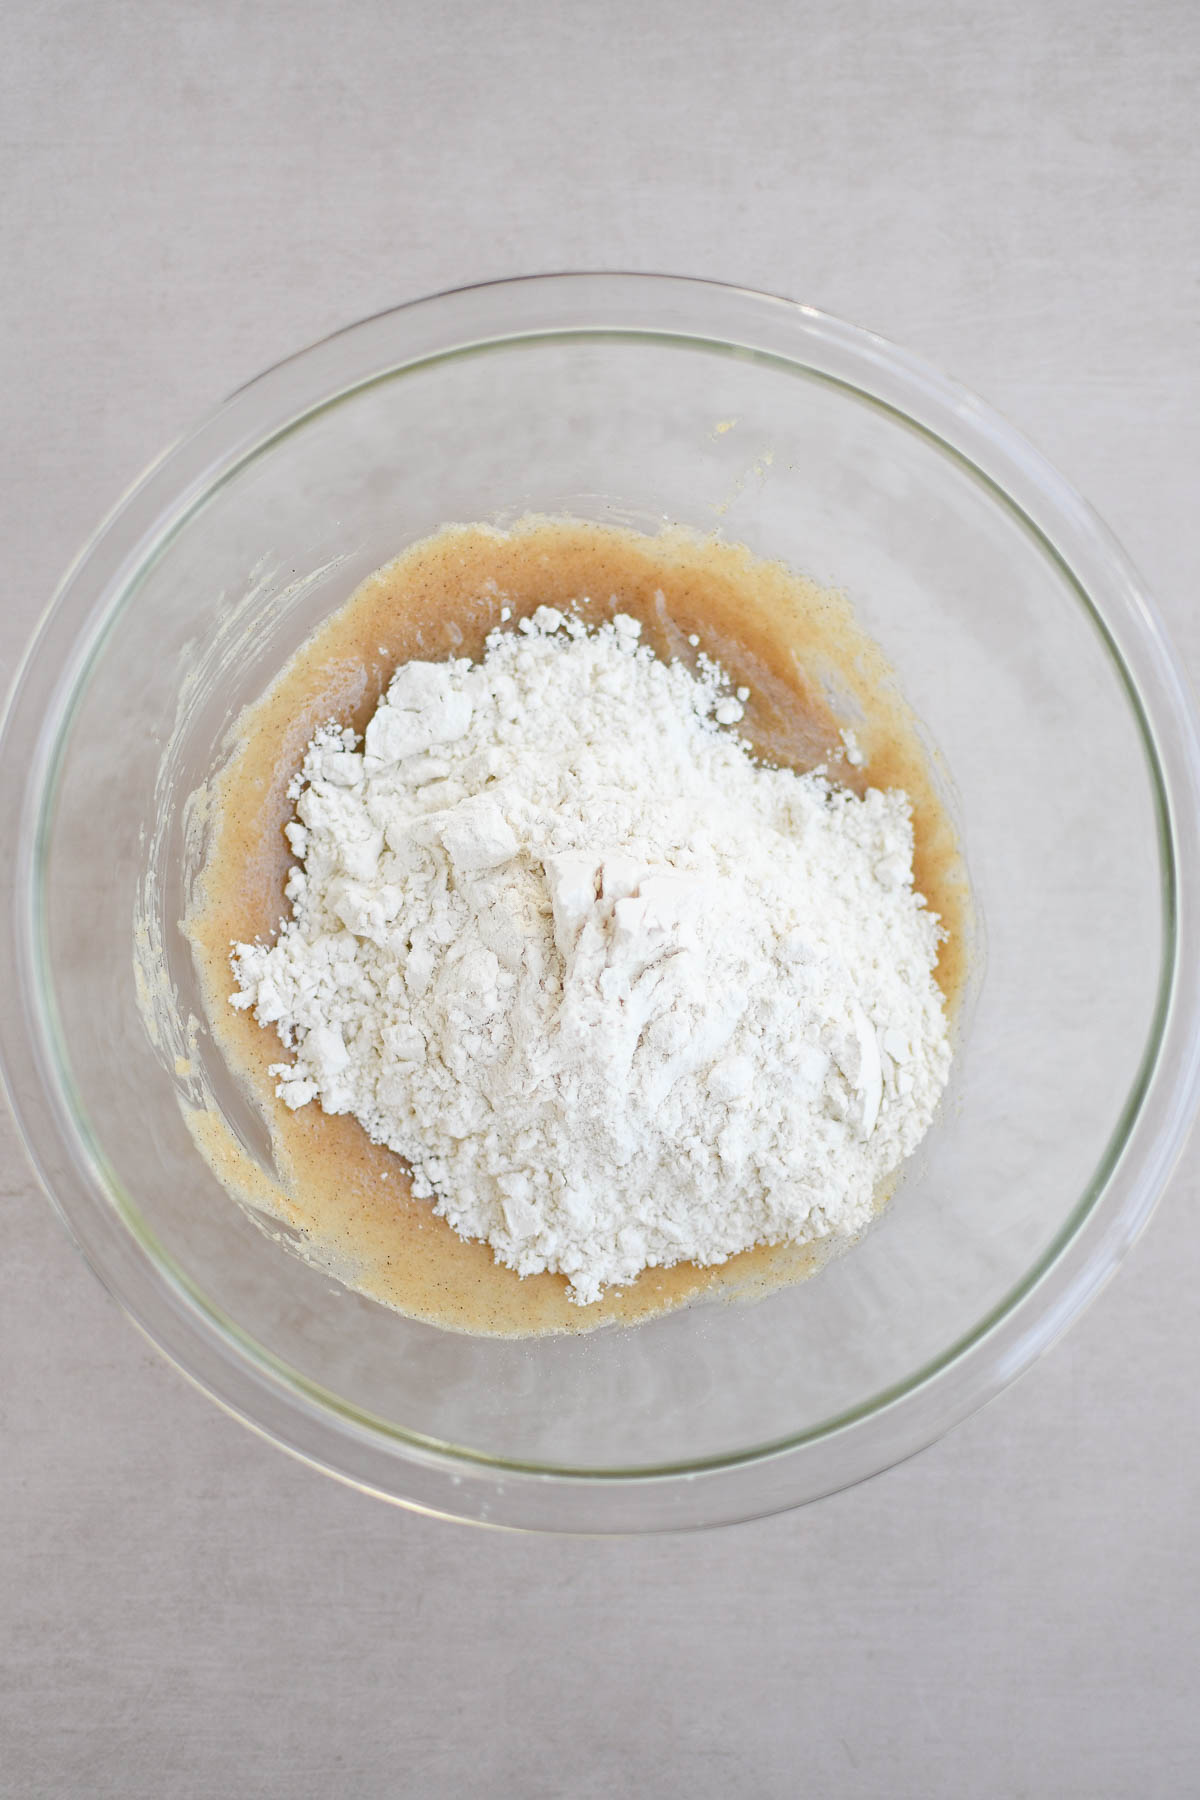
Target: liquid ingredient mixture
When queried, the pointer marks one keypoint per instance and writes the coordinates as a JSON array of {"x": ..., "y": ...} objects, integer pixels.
[{"x": 625, "y": 1000}]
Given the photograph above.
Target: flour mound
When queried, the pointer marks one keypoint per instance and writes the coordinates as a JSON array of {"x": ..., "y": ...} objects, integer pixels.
[{"x": 619, "y": 995}]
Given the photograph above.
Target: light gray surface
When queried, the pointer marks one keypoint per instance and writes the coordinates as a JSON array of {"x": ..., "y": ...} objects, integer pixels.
[{"x": 192, "y": 191}]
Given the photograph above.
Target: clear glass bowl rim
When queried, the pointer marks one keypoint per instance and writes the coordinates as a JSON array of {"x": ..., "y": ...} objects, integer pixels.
[{"x": 241, "y": 1375}]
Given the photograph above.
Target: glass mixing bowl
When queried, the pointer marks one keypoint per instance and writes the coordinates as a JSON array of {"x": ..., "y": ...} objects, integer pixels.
[{"x": 1019, "y": 634}]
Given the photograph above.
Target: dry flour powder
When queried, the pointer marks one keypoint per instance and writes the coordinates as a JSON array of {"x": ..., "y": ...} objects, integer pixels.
[{"x": 619, "y": 995}]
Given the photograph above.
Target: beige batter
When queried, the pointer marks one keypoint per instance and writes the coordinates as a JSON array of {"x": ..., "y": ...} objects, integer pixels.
[{"x": 800, "y": 653}]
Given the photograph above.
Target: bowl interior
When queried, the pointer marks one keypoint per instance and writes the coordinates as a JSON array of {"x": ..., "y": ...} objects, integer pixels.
[{"x": 995, "y": 647}]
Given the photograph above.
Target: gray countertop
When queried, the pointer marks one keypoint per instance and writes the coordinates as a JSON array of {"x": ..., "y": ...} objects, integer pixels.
[{"x": 190, "y": 192}]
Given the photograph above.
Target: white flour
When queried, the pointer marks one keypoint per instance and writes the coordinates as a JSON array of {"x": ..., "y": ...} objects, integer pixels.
[{"x": 620, "y": 996}]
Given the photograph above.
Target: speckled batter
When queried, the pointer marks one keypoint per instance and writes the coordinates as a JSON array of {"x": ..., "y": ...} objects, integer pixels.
[{"x": 810, "y": 670}]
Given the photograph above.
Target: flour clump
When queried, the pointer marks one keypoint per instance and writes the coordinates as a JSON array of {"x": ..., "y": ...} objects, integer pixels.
[{"x": 620, "y": 995}]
